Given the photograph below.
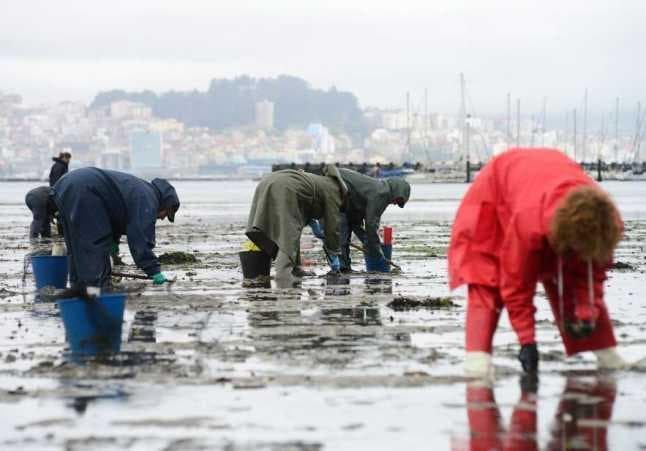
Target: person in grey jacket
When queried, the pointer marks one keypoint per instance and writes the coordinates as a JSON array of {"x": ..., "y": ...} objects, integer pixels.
[
  {"x": 368, "y": 198},
  {"x": 284, "y": 203}
]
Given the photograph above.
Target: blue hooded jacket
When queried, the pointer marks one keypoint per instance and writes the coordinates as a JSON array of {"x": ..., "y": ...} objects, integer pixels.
[{"x": 98, "y": 206}]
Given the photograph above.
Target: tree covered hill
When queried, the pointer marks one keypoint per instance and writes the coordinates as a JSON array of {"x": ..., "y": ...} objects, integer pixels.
[{"x": 231, "y": 103}]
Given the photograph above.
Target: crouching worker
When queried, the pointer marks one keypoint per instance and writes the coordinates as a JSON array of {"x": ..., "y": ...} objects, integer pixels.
[
  {"x": 368, "y": 198},
  {"x": 42, "y": 208},
  {"x": 284, "y": 203},
  {"x": 530, "y": 216},
  {"x": 96, "y": 207}
]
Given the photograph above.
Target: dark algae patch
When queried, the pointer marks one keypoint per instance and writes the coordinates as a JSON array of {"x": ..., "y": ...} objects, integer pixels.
[
  {"x": 177, "y": 258},
  {"x": 402, "y": 303},
  {"x": 622, "y": 266}
]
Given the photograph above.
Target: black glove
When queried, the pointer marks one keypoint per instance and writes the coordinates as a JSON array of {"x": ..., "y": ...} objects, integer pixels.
[
  {"x": 579, "y": 329},
  {"x": 528, "y": 357},
  {"x": 529, "y": 383}
]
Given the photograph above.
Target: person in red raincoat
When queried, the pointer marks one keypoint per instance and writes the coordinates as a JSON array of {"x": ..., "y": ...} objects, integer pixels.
[{"x": 533, "y": 215}]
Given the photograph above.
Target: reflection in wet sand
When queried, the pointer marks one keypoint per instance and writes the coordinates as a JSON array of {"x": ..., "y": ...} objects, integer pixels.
[
  {"x": 487, "y": 429},
  {"x": 580, "y": 422},
  {"x": 583, "y": 414}
]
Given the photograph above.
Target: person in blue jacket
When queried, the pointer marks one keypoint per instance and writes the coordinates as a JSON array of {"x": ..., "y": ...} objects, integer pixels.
[
  {"x": 97, "y": 207},
  {"x": 42, "y": 209}
]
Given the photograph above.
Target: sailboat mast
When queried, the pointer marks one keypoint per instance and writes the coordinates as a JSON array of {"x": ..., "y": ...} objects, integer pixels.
[
  {"x": 574, "y": 132},
  {"x": 518, "y": 122},
  {"x": 508, "y": 118},
  {"x": 638, "y": 138},
  {"x": 616, "y": 149},
  {"x": 585, "y": 124},
  {"x": 408, "y": 125},
  {"x": 544, "y": 124}
]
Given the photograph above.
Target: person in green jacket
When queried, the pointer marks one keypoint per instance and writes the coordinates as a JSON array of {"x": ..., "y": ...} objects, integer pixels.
[
  {"x": 284, "y": 203},
  {"x": 368, "y": 198}
]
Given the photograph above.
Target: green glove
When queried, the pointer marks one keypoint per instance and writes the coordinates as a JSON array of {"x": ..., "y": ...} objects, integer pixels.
[
  {"x": 114, "y": 249},
  {"x": 159, "y": 278}
]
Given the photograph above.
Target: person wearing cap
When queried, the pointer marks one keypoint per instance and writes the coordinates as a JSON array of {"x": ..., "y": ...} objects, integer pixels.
[
  {"x": 368, "y": 198},
  {"x": 97, "y": 207},
  {"x": 60, "y": 167},
  {"x": 533, "y": 215}
]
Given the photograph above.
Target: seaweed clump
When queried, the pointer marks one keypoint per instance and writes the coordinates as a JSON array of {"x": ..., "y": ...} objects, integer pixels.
[
  {"x": 402, "y": 303},
  {"x": 177, "y": 258}
]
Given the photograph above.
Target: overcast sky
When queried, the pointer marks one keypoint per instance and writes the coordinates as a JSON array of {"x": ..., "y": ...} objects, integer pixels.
[{"x": 70, "y": 49}]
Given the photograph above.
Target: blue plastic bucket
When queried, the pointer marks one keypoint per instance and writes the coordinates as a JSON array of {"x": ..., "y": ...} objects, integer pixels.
[
  {"x": 374, "y": 264},
  {"x": 50, "y": 270},
  {"x": 93, "y": 327}
]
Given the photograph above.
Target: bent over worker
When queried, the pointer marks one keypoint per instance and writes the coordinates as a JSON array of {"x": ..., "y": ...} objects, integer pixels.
[
  {"x": 284, "y": 203},
  {"x": 530, "y": 216},
  {"x": 368, "y": 198},
  {"x": 98, "y": 206},
  {"x": 42, "y": 208}
]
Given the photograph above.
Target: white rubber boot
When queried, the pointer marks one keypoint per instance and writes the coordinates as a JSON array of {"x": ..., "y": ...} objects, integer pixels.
[
  {"x": 609, "y": 359},
  {"x": 478, "y": 364}
]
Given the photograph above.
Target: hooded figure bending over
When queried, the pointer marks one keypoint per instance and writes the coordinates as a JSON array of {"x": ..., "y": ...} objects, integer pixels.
[
  {"x": 284, "y": 203},
  {"x": 368, "y": 198},
  {"x": 42, "y": 209},
  {"x": 98, "y": 206},
  {"x": 530, "y": 216}
]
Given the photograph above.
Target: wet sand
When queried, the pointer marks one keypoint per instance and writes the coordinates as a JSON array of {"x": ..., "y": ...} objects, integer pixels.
[{"x": 209, "y": 364}]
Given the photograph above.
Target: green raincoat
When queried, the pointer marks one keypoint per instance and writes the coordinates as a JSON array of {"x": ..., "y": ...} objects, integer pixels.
[
  {"x": 367, "y": 200},
  {"x": 285, "y": 201}
]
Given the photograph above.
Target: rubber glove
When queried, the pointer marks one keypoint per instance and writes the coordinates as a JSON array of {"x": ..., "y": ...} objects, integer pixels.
[
  {"x": 159, "y": 278},
  {"x": 335, "y": 264},
  {"x": 528, "y": 357},
  {"x": 316, "y": 229}
]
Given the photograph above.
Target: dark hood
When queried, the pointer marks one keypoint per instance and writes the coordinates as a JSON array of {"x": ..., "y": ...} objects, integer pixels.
[
  {"x": 399, "y": 189},
  {"x": 167, "y": 197},
  {"x": 58, "y": 160}
]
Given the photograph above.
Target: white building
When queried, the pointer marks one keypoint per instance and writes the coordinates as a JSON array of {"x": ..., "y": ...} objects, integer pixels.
[
  {"x": 322, "y": 141},
  {"x": 265, "y": 115},
  {"x": 124, "y": 109}
]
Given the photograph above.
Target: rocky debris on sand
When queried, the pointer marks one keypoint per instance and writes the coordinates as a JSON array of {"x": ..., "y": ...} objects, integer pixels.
[
  {"x": 177, "y": 258},
  {"x": 402, "y": 303},
  {"x": 4, "y": 293},
  {"x": 622, "y": 266},
  {"x": 258, "y": 282}
]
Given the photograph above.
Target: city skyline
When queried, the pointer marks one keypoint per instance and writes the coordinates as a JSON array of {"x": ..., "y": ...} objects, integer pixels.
[{"x": 377, "y": 50}]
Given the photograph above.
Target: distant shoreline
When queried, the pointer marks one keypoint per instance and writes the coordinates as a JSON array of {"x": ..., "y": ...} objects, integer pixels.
[{"x": 414, "y": 181}]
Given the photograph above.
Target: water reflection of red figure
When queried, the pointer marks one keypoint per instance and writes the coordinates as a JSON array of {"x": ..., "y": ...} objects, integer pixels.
[
  {"x": 581, "y": 420},
  {"x": 486, "y": 429}
]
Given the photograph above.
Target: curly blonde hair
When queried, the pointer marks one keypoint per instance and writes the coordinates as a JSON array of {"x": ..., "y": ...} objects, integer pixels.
[{"x": 588, "y": 224}]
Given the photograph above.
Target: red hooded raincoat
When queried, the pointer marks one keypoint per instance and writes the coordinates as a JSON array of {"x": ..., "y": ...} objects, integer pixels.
[{"x": 499, "y": 240}]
